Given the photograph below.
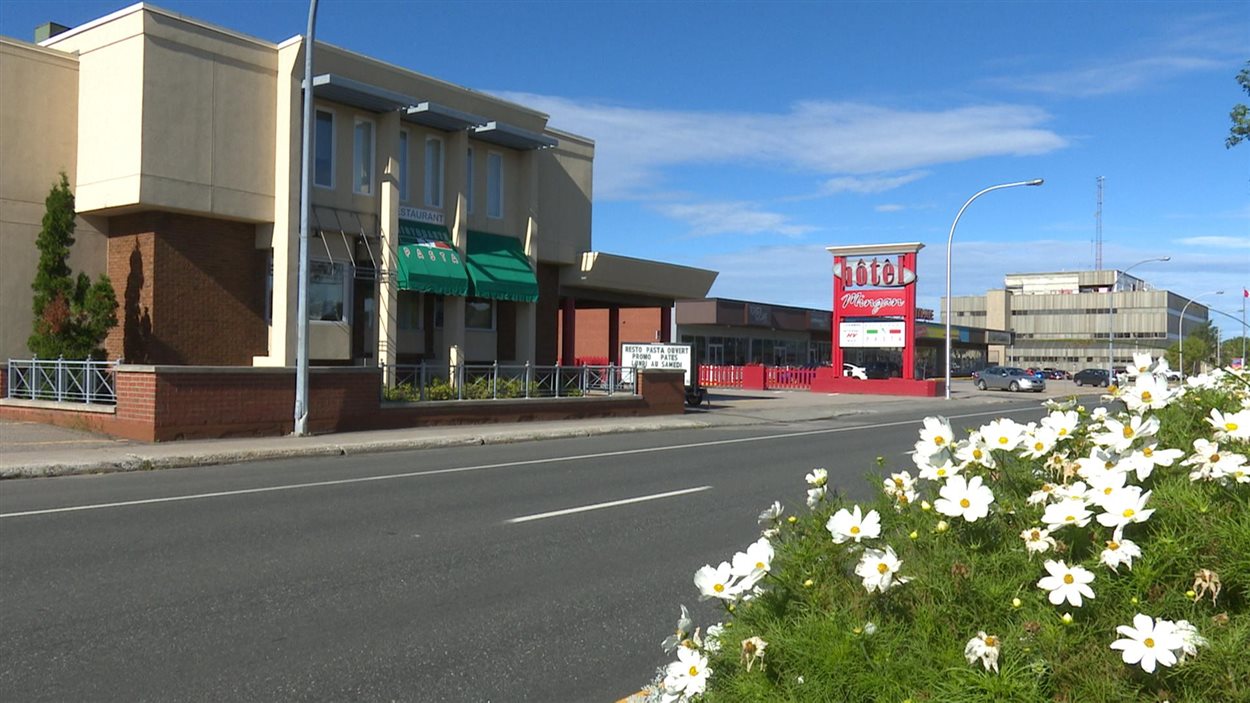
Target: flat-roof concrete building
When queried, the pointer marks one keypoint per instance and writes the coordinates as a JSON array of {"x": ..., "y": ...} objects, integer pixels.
[
  {"x": 442, "y": 218},
  {"x": 1064, "y": 319}
]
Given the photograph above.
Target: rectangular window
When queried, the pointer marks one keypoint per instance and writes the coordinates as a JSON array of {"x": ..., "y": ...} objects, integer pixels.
[
  {"x": 410, "y": 305},
  {"x": 433, "y": 172},
  {"x": 479, "y": 314},
  {"x": 362, "y": 164},
  {"x": 327, "y": 291},
  {"x": 323, "y": 150},
  {"x": 468, "y": 180},
  {"x": 403, "y": 165},
  {"x": 494, "y": 185}
]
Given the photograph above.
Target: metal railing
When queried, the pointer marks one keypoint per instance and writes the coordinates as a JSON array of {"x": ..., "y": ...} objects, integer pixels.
[
  {"x": 63, "y": 381},
  {"x": 788, "y": 377},
  {"x": 717, "y": 376},
  {"x": 433, "y": 381}
]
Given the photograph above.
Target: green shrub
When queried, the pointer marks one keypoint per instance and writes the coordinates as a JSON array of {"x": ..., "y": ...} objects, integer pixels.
[{"x": 824, "y": 637}]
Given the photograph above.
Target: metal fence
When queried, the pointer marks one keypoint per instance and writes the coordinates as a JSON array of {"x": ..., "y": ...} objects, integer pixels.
[
  {"x": 63, "y": 381},
  {"x": 714, "y": 376},
  {"x": 420, "y": 382},
  {"x": 788, "y": 378}
]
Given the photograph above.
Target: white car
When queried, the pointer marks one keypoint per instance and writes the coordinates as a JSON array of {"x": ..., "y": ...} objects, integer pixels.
[{"x": 853, "y": 371}]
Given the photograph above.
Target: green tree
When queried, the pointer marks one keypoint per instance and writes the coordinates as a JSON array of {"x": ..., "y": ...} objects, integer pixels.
[
  {"x": 1240, "y": 131},
  {"x": 72, "y": 314},
  {"x": 1233, "y": 348},
  {"x": 1196, "y": 351}
]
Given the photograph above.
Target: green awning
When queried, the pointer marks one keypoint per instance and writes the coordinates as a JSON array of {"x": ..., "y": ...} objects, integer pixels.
[
  {"x": 499, "y": 269},
  {"x": 428, "y": 262}
]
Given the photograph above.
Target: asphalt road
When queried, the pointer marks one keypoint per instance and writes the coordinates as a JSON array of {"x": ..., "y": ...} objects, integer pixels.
[{"x": 438, "y": 575}]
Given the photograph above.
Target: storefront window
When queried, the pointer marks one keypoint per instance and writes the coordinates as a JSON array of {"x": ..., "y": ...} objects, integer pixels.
[
  {"x": 479, "y": 314},
  {"x": 327, "y": 291}
]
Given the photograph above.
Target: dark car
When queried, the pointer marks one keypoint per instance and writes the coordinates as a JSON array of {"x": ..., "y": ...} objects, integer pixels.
[
  {"x": 1090, "y": 377},
  {"x": 883, "y": 369}
]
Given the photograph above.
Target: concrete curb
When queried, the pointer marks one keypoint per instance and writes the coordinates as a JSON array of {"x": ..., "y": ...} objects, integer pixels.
[{"x": 151, "y": 461}]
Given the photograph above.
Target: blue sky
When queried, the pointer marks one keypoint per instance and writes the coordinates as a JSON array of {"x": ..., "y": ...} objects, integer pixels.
[{"x": 746, "y": 137}]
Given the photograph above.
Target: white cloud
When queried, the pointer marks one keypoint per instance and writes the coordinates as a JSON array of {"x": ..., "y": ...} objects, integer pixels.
[
  {"x": 1217, "y": 242},
  {"x": 1109, "y": 77},
  {"x": 635, "y": 145},
  {"x": 890, "y": 207},
  {"x": 731, "y": 217},
  {"x": 869, "y": 184}
]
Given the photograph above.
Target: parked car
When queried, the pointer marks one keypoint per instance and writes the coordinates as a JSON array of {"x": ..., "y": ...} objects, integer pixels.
[
  {"x": 1055, "y": 374},
  {"x": 883, "y": 369},
  {"x": 853, "y": 371},
  {"x": 1009, "y": 378},
  {"x": 1091, "y": 377}
]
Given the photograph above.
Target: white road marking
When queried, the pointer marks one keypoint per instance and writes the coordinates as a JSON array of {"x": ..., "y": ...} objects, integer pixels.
[
  {"x": 480, "y": 467},
  {"x": 600, "y": 506}
]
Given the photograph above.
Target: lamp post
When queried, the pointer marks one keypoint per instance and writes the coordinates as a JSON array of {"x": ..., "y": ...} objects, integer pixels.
[
  {"x": 1181, "y": 328},
  {"x": 305, "y": 168},
  {"x": 1111, "y": 315},
  {"x": 949, "y": 240}
]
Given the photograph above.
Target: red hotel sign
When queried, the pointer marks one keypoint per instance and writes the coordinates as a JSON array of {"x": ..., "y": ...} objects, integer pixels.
[
  {"x": 873, "y": 303},
  {"x": 888, "y": 272}
]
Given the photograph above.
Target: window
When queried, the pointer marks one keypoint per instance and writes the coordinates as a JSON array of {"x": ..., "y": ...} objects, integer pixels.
[
  {"x": 403, "y": 165},
  {"x": 494, "y": 185},
  {"x": 362, "y": 163},
  {"x": 433, "y": 172},
  {"x": 409, "y": 312},
  {"x": 327, "y": 291},
  {"x": 468, "y": 180},
  {"x": 323, "y": 150},
  {"x": 479, "y": 314}
]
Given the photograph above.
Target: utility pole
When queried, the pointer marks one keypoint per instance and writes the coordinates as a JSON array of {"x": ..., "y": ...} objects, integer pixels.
[{"x": 1098, "y": 229}]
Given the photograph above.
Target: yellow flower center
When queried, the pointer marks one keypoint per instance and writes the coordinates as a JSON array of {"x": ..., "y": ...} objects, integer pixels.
[
  {"x": 759, "y": 565},
  {"x": 941, "y": 472},
  {"x": 854, "y": 529},
  {"x": 1070, "y": 518},
  {"x": 1146, "y": 397},
  {"x": 1108, "y": 465},
  {"x": 1128, "y": 432},
  {"x": 1149, "y": 642},
  {"x": 942, "y": 440},
  {"x": 898, "y": 482},
  {"x": 1129, "y": 512},
  {"x": 694, "y": 671},
  {"x": 1106, "y": 491},
  {"x": 1113, "y": 545},
  {"x": 963, "y": 503},
  {"x": 1036, "y": 535},
  {"x": 1067, "y": 578},
  {"x": 1230, "y": 426},
  {"x": 718, "y": 587},
  {"x": 1148, "y": 452},
  {"x": 1002, "y": 440},
  {"x": 1038, "y": 446},
  {"x": 1063, "y": 431},
  {"x": 976, "y": 454},
  {"x": 882, "y": 568},
  {"x": 1215, "y": 459},
  {"x": 991, "y": 641}
]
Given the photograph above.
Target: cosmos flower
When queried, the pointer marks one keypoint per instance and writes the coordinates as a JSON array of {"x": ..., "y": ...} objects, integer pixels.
[
  {"x": 879, "y": 569},
  {"x": 1037, "y": 540},
  {"x": 846, "y": 525},
  {"x": 985, "y": 648},
  {"x": 968, "y": 499},
  {"x": 1148, "y": 642},
  {"x": 687, "y": 676},
  {"x": 1121, "y": 552},
  {"x": 1066, "y": 583}
]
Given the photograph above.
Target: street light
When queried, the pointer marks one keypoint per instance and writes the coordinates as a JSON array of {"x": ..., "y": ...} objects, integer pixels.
[
  {"x": 949, "y": 240},
  {"x": 1111, "y": 314},
  {"x": 1181, "y": 328},
  {"x": 305, "y": 176}
]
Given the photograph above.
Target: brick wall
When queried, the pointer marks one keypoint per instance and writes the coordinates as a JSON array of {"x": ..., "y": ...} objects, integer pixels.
[
  {"x": 636, "y": 325},
  {"x": 191, "y": 290}
]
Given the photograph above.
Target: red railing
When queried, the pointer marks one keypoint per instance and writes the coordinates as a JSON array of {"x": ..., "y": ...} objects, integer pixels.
[
  {"x": 788, "y": 378},
  {"x": 720, "y": 376}
]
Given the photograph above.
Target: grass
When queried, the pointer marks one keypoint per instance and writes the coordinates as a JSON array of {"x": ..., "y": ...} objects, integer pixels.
[{"x": 812, "y": 609}]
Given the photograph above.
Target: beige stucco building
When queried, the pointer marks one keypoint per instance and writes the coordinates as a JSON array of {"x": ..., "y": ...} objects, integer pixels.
[
  {"x": 1064, "y": 319},
  {"x": 446, "y": 223}
]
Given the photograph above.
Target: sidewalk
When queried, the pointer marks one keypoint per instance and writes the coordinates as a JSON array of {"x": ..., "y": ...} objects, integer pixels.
[{"x": 35, "y": 450}]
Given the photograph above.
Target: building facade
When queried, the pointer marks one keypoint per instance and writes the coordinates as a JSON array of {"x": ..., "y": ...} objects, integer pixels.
[
  {"x": 445, "y": 224},
  {"x": 1079, "y": 319}
]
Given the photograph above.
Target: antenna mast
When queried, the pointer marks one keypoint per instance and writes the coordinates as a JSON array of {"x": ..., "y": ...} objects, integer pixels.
[{"x": 1098, "y": 229}]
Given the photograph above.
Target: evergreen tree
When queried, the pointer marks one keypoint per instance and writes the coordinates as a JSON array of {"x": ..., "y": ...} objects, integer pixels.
[{"x": 72, "y": 314}]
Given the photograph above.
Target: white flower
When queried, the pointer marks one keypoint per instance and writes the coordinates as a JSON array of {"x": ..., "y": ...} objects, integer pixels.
[
  {"x": 878, "y": 569},
  {"x": 1148, "y": 392},
  {"x": 1097, "y": 415},
  {"x": 1230, "y": 426},
  {"x": 1045, "y": 494},
  {"x": 964, "y": 498},
  {"x": 935, "y": 438},
  {"x": 1122, "y": 552},
  {"x": 1148, "y": 642},
  {"x": 1210, "y": 463},
  {"x": 716, "y": 582},
  {"x": 683, "y": 631},
  {"x": 815, "y": 495},
  {"x": 1119, "y": 436},
  {"x": 1103, "y": 487},
  {"x": 1066, "y": 583},
  {"x": 1062, "y": 423},
  {"x": 687, "y": 676},
  {"x": 901, "y": 486},
  {"x": 1037, "y": 540},
  {"x": 772, "y": 514},
  {"x": 1098, "y": 461},
  {"x": 1039, "y": 442},
  {"x": 1003, "y": 433},
  {"x": 817, "y": 477},
  {"x": 870, "y": 628},
  {"x": 846, "y": 525},
  {"x": 752, "y": 564},
  {"x": 753, "y": 651},
  {"x": 1070, "y": 511},
  {"x": 975, "y": 450},
  {"x": 711, "y": 640},
  {"x": 1126, "y": 506},
  {"x": 1144, "y": 460},
  {"x": 984, "y": 647},
  {"x": 1190, "y": 640},
  {"x": 936, "y": 472}
]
